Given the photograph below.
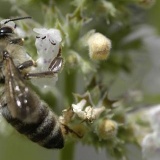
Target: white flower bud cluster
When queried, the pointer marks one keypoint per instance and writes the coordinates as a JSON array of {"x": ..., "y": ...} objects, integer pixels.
[
  {"x": 104, "y": 128},
  {"x": 87, "y": 113}
]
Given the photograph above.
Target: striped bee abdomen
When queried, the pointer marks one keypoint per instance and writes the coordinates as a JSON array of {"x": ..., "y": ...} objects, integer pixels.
[{"x": 45, "y": 131}]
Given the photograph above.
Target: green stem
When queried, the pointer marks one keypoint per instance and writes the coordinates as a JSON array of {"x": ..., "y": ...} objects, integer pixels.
[
  {"x": 70, "y": 84},
  {"x": 68, "y": 152},
  {"x": 69, "y": 87}
]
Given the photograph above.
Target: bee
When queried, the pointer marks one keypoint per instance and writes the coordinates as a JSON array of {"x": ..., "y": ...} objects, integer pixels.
[{"x": 19, "y": 104}]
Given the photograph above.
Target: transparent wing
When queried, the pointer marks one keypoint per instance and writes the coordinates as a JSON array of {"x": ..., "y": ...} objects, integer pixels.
[{"x": 21, "y": 101}]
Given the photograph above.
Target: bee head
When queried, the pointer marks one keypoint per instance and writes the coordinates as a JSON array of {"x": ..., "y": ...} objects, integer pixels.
[{"x": 7, "y": 26}]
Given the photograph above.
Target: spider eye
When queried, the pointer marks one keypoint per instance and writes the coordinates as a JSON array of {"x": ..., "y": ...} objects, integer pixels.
[{"x": 44, "y": 37}]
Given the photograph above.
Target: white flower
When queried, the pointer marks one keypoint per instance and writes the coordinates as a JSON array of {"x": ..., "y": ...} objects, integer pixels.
[
  {"x": 97, "y": 111},
  {"x": 151, "y": 142},
  {"x": 79, "y": 106},
  {"x": 151, "y": 146},
  {"x": 88, "y": 113},
  {"x": 154, "y": 117}
]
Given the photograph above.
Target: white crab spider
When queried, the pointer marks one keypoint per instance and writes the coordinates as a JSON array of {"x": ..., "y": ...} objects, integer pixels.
[{"x": 48, "y": 44}]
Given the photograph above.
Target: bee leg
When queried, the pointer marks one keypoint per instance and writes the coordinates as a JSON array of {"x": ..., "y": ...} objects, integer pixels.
[
  {"x": 17, "y": 41},
  {"x": 26, "y": 64},
  {"x": 39, "y": 75},
  {"x": 54, "y": 67}
]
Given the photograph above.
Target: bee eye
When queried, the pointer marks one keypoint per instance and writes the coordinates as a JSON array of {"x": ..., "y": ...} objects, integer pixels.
[{"x": 5, "y": 30}]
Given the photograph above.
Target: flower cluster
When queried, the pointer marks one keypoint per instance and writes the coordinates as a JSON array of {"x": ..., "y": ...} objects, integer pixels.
[
  {"x": 87, "y": 113},
  {"x": 84, "y": 117}
]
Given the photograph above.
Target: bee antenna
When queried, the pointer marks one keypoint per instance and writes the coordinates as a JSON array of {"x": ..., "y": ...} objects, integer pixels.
[{"x": 16, "y": 19}]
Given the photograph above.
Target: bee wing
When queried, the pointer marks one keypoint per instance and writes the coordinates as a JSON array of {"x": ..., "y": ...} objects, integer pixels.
[{"x": 21, "y": 101}]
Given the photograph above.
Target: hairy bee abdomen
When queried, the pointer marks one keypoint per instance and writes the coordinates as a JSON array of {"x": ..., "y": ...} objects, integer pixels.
[{"x": 45, "y": 131}]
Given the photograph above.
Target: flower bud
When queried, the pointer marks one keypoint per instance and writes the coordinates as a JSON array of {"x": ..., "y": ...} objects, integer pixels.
[
  {"x": 99, "y": 46},
  {"x": 107, "y": 129}
]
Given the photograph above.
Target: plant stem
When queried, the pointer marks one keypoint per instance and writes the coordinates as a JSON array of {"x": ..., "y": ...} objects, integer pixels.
[{"x": 68, "y": 152}]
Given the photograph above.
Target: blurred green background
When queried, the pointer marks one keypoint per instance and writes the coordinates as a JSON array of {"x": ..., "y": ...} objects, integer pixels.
[{"x": 131, "y": 66}]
